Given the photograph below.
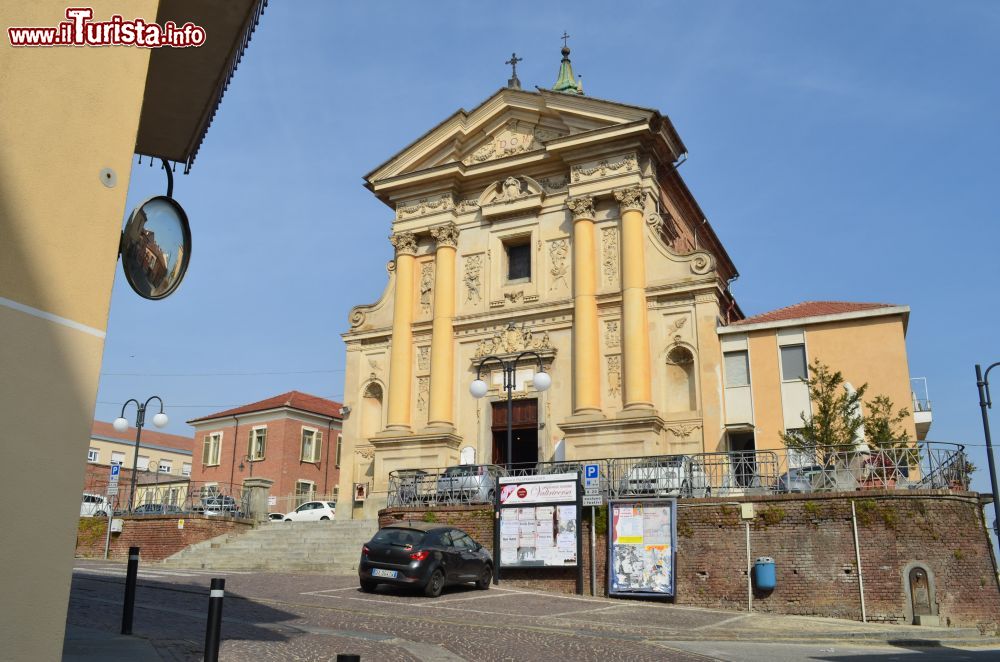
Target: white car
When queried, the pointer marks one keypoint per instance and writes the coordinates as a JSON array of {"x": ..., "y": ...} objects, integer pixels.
[
  {"x": 94, "y": 505},
  {"x": 312, "y": 510}
]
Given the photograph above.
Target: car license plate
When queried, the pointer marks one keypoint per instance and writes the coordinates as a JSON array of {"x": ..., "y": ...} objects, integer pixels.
[{"x": 378, "y": 572}]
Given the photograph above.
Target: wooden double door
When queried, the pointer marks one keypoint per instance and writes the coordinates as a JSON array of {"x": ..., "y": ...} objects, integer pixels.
[{"x": 524, "y": 428}]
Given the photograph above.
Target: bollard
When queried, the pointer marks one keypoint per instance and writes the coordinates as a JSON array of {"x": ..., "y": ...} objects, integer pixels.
[
  {"x": 213, "y": 630},
  {"x": 130, "y": 577},
  {"x": 342, "y": 657}
]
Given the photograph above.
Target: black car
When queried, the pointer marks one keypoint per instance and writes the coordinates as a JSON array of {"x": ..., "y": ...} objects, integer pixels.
[
  {"x": 425, "y": 556},
  {"x": 157, "y": 509}
]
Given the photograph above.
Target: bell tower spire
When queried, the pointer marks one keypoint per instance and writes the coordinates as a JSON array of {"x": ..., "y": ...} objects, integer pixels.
[{"x": 566, "y": 82}]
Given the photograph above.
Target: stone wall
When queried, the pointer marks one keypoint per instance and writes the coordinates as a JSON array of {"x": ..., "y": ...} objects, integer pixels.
[
  {"x": 158, "y": 536},
  {"x": 811, "y": 540}
]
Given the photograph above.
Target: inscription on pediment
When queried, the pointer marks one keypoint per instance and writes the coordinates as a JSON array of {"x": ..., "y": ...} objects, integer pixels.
[{"x": 516, "y": 137}]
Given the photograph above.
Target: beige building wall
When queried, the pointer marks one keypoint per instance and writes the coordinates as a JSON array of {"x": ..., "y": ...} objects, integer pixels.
[
  {"x": 765, "y": 382},
  {"x": 106, "y": 448},
  {"x": 68, "y": 113}
]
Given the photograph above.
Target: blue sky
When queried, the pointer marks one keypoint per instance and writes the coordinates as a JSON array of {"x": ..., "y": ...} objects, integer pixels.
[{"x": 841, "y": 150}]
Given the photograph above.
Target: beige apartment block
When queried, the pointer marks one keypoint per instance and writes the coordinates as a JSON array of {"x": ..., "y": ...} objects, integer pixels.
[
  {"x": 73, "y": 119},
  {"x": 555, "y": 222}
]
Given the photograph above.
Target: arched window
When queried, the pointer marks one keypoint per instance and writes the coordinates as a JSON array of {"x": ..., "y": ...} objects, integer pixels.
[
  {"x": 681, "y": 390},
  {"x": 371, "y": 410}
]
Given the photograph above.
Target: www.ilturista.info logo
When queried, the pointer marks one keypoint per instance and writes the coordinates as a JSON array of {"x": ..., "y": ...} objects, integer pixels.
[{"x": 79, "y": 30}]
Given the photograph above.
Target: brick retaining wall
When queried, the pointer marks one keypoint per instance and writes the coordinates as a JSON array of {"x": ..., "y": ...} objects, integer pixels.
[
  {"x": 157, "y": 535},
  {"x": 811, "y": 540}
]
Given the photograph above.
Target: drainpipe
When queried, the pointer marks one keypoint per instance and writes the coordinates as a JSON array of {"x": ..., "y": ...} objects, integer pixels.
[
  {"x": 236, "y": 436},
  {"x": 857, "y": 556},
  {"x": 749, "y": 580}
]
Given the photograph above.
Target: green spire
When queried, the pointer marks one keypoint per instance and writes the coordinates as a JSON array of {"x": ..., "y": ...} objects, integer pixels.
[{"x": 567, "y": 81}]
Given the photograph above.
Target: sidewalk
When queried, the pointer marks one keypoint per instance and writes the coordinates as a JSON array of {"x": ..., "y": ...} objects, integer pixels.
[{"x": 86, "y": 644}]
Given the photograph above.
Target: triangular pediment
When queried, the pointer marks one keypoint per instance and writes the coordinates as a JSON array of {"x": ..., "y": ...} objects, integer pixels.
[{"x": 509, "y": 123}]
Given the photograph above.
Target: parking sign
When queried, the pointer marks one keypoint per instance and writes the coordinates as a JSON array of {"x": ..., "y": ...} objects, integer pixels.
[
  {"x": 591, "y": 475},
  {"x": 115, "y": 470}
]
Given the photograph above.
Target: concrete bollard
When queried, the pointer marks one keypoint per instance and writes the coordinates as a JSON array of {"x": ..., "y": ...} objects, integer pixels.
[{"x": 130, "y": 576}]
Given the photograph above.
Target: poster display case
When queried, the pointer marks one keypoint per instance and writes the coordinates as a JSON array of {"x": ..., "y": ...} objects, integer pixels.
[{"x": 642, "y": 544}]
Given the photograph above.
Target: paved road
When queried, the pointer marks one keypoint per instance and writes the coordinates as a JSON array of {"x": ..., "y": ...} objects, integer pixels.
[{"x": 315, "y": 617}]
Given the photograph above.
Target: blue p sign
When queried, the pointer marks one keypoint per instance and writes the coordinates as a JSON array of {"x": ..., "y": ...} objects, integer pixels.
[
  {"x": 590, "y": 471},
  {"x": 116, "y": 469}
]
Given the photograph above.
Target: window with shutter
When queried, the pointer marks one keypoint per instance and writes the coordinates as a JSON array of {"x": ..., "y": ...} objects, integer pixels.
[
  {"x": 737, "y": 369},
  {"x": 340, "y": 443},
  {"x": 257, "y": 442},
  {"x": 317, "y": 451},
  {"x": 206, "y": 452}
]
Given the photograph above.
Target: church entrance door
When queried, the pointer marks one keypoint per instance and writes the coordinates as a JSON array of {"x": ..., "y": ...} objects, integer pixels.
[{"x": 524, "y": 426}]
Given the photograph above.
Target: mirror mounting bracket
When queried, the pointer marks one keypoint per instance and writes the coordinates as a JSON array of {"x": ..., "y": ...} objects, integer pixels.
[{"x": 170, "y": 178}]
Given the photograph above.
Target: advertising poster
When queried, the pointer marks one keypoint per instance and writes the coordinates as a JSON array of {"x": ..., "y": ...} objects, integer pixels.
[
  {"x": 642, "y": 539},
  {"x": 543, "y": 533}
]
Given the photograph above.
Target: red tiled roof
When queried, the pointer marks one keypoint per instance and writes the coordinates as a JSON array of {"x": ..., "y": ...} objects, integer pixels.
[
  {"x": 149, "y": 436},
  {"x": 294, "y": 399},
  {"x": 811, "y": 309}
]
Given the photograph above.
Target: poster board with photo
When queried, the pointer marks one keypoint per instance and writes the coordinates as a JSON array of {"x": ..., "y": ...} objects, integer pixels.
[
  {"x": 642, "y": 544},
  {"x": 539, "y": 521}
]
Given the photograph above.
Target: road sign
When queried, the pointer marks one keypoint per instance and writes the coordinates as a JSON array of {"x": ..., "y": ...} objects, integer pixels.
[
  {"x": 591, "y": 475},
  {"x": 591, "y": 491},
  {"x": 113, "y": 490},
  {"x": 115, "y": 470},
  {"x": 593, "y": 500}
]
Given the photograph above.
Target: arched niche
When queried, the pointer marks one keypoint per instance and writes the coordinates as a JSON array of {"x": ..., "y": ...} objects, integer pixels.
[
  {"x": 371, "y": 410},
  {"x": 682, "y": 389}
]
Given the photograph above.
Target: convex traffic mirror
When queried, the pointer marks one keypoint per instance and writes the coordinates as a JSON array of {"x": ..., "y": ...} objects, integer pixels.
[{"x": 156, "y": 247}]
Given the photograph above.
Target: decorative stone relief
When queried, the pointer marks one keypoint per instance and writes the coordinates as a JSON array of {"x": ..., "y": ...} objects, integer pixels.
[
  {"x": 554, "y": 184},
  {"x": 512, "y": 339},
  {"x": 366, "y": 452},
  {"x": 558, "y": 252},
  {"x": 426, "y": 286},
  {"x": 677, "y": 326},
  {"x": 423, "y": 386},
  {"x": 376, "y": 369},
  {"x": 611, "y": 334},
  {"x": 682, "y": 430},
  {"x": 465, "y": 206},
  {"x": 514, "y": 297},
  {"x": 615, "y": 375},
  {"x": 583, "y": 172},
  {"x": 701, "y": 264},
  {"x": 473, "y": 278},
  {"x": 445, "y": 235},
  {"x": 609, "y": 254},
  {"x": 423, "y": 358},
  {"x": 582, "y": 207},
  {"x": 515, "y": 138},
  {"x": 404, "y": 242},
  {"x": 630, "y": 199},
  {"x": 424, "y": 206}
]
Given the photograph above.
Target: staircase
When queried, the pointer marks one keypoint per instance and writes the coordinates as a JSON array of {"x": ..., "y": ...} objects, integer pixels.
[{"x": 330, "y": 547}]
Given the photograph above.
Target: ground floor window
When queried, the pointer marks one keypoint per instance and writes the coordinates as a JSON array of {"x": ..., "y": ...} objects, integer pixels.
[{"x": 305, "y": 490}]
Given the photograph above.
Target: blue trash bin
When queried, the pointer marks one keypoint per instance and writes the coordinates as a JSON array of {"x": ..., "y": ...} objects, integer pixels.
[{"x": 764, "y": 574}]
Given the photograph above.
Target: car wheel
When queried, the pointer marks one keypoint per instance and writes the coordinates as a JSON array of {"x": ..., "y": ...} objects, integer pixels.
[
  {"x": 491, "y": 497},
  {"x": 685, "y": 490},
  {"x": 485, "y": 578},
  {"x": 100, "y": 513},
  {"x": 435, "y": 584},
  {"x": 708, "y": 492},
  {"x": 368, "y": 586},
  {"x": 324, "y": 517},
  {"x": 287, "y": 520}
]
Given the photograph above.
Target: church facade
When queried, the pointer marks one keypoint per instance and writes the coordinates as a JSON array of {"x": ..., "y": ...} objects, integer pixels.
[{"x": 555, "y": 222}]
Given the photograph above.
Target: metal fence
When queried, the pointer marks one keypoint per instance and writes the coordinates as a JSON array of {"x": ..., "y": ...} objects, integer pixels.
[
  {"x": 179, "y": 498},
  {"x": 923, "y": 465}
]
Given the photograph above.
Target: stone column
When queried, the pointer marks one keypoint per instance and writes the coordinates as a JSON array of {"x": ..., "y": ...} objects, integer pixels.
[
  {"x": 586, "y": 352},
  {"x": 401, "y": 359},
  {"x": 255, "y": 493},
  {"x": 637, "y": 392},
  {"x": 441, "y": 410}
]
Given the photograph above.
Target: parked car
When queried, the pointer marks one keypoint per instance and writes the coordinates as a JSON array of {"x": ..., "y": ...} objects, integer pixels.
[
  {"x": 469, "y": 483},
  {"x": 157, "y": 509},
  {"x": 674, "y": 475},
  {"x": 276, "y": 517},
  {"x": 425, "y": 556},
  {"x": 219, "y": 504},
  {"x": 312, "y": 511},
  {"x": 798, "y": 479},
  {"x": 94, "y": 505},
  {"x": 413, "y": 487}
]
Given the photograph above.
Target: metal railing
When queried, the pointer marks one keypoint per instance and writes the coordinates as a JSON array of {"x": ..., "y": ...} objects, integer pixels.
[
  {"x": 190, "y": 498},
  {"x": 923, "y": 465}
]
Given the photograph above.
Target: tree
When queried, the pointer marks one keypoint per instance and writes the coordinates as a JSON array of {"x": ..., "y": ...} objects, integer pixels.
[
  {"x": 836, "y": 418},
  {"x": 883, "y": 431}
]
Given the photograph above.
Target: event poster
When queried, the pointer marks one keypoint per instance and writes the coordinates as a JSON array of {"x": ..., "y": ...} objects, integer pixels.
[{"x": 641, "y": 547}]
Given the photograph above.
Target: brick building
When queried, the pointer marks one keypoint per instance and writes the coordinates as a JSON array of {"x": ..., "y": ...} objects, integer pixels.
[{"x": 293, "y": 439}]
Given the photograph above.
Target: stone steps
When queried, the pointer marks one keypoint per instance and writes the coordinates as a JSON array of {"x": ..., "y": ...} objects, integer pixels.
[{"x": 326, "y": 547}]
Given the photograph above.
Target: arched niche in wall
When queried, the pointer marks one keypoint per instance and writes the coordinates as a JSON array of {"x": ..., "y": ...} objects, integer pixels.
[
  {"x": 371, "y": 410},
  {"x": 682, "y": 390}
]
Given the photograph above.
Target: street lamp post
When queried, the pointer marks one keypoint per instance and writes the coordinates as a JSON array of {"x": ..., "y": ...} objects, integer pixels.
[
  {"x": 121, "y": 425},
  {"x": 478, "y": 388},
  {"x": 983, "y": 382}
]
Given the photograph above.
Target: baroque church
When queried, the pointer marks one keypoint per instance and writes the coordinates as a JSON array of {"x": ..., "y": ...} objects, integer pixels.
[{"x": 556, "y": 222}]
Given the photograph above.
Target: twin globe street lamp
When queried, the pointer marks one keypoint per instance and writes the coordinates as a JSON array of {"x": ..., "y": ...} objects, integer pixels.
[
  {"x": 541, "y": 381},
  {"x": 121, "y": 425}
]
